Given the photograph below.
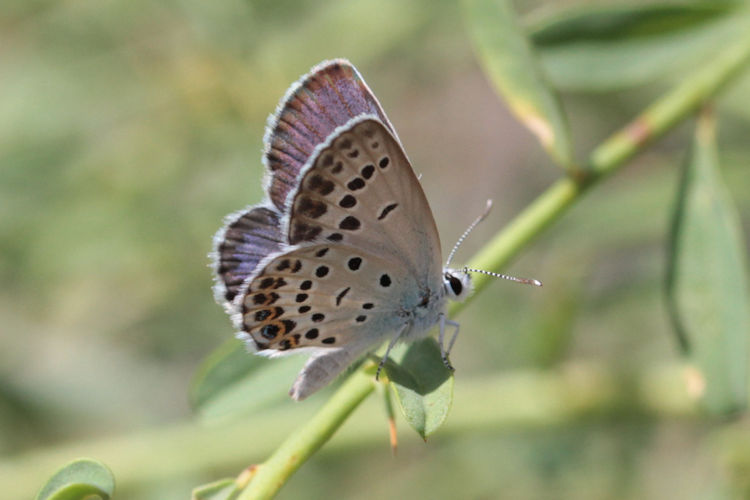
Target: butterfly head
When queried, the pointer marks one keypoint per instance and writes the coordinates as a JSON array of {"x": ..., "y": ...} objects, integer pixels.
[{"x": 457, "y": 284}]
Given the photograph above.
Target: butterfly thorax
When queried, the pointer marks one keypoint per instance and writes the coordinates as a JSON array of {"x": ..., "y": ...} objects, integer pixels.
[{"x": 422, "y": 311}]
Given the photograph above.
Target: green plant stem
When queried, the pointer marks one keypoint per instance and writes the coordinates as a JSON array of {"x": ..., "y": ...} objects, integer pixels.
[
  {"x": 657, "y": 119},
  {"x": 273, "y": 473},
  {"x": 672, "y": 108},
  {"x": 660, "y": 117}
]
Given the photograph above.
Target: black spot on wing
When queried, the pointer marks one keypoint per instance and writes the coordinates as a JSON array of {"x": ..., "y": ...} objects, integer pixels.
[
  {"x": 388, "y": 209},
  {"x": 341, "y": 295}
]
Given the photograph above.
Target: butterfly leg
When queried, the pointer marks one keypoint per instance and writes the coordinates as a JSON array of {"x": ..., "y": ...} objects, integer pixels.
[
  {"x": 445, "y": 353},
  {"x": 388, "y": 350}
]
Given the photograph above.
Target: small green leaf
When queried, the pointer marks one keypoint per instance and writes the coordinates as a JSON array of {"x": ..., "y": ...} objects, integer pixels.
[
  {"x": 423, "y": 385},
  {"x": 232, "y": 382},
  {"x": 82, "y": 479},
  {"x": 223, "y": 489},
  {"x": 512, "y": 66},
  {"x": 707, "y": 288},
  {"x": 616, "y": 46}
]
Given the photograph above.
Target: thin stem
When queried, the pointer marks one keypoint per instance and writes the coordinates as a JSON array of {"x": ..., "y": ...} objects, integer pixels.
[
  {"x": 271, "y": 475},
  {"x": 672, "y": 108}
]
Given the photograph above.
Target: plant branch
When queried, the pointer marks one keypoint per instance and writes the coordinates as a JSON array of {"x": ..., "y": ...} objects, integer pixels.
[
  {"x": 306, "y": 440},
  {"x": 660, "y": 117},
  {"x": 666, "y": 112}
]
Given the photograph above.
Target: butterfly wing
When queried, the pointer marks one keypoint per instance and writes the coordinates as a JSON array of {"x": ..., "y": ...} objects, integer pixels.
[
  {"x": 317, "y": 296},
  {"x": 247, "y": 238},
  {"x": 327, "y": 298},
  {"x": 360, "y": 190},
  {"x": 316, "y": 105}
]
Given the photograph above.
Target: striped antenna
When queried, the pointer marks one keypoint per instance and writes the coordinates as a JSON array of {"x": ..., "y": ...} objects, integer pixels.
[
  {"x": 525, "y": 281},
  {"x": 468, "y": 230}
]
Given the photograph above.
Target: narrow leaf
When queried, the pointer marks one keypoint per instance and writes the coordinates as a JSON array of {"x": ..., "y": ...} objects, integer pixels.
[
  {"x": 81, "y": 479},
  {"x": 232, "y": 382},
  {"x": 615, "y": 46},
  {"x": 511, "y": 64},
  {"x": 707, "y": 288},
  {"x": 423, "y": 385}
]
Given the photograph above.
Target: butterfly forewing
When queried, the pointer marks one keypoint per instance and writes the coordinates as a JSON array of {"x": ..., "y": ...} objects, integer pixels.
[
  {"x": 361, "y": 191},
  {"x": 320, "y": 102}
]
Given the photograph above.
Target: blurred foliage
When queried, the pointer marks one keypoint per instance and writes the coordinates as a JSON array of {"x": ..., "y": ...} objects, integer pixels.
[
  {"x": 623, "y": 44},
  {"x": 129, "y": 129},
  {"x": 509, "y": 59},
  {"x": 707, "y": 292},
  {"x": 82, "y": 479}
]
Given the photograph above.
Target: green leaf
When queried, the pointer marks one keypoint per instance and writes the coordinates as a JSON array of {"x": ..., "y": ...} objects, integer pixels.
[
  {"x": 707, "y": 288},
  {"x": 223, "y": 489},
  {"x": 81, "y": 479},
  {"x": 232, "y": 382},
  {"x": 423, "y": 385},
  {"x": 616, "y": 46},
  {"x": 511, "y": 64}
]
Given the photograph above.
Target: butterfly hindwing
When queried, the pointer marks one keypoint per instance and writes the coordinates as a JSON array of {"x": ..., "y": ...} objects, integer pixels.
[
  {"x": 248, "y": 238},
  {"x": 318, "y": 296}
]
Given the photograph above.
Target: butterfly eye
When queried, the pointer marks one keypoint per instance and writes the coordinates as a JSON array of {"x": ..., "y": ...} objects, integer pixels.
[
  {"x": 456, "y": 285},
  {"x": 453, "y": 285}
]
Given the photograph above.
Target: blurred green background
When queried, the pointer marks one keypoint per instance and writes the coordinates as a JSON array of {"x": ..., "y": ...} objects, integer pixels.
[{"x": 129, "y": 129}]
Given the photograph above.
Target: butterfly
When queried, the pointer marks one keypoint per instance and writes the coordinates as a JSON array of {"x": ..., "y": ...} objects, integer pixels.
[{"x": 344, "y": 253}]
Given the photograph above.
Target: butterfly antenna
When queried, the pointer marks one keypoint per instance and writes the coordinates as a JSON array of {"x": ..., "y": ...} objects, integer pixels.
[
  {"x": 525, "y": 281},
  {"x": 468, "y": 230}
]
